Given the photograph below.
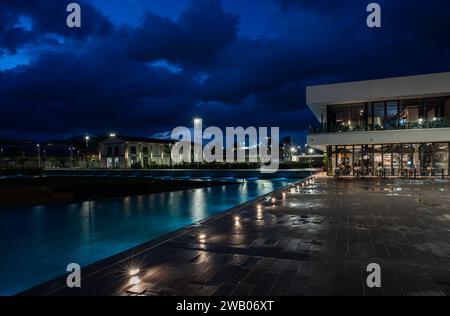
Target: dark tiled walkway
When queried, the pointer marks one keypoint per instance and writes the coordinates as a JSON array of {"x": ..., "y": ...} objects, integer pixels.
[{"x": 316, "y": 242}]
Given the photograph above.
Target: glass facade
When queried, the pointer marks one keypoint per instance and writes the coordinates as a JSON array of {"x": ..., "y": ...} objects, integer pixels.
[
  {"x": 388, "y": 115},
  {"x": 405, "y": 160}
]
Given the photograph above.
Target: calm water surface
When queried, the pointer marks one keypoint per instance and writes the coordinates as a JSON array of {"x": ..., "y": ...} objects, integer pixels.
[{"x": 37, "y": 243}]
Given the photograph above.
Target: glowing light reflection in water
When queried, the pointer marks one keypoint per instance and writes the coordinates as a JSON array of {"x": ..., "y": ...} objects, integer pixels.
[{"x": 37, "y": 243}]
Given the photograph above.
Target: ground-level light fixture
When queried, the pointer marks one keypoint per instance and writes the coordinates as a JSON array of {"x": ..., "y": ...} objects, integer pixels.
[
  {"x": 202, "y": 238},
  {"x": 135, "y": 280}
]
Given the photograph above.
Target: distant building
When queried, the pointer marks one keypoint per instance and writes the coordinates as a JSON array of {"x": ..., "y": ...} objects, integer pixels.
[
  {"x": 396, "y": 126},
  {"x": 76, "y": 152},
  {"x": 134, "y": 152}
]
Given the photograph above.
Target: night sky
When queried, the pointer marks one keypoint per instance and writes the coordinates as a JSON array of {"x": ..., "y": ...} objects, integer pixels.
[{"x": 144, "y": 67}]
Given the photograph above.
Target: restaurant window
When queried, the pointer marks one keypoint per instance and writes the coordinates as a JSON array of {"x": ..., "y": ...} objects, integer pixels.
[
  {"x": 397, "y": 152},
  {"x": 447, "y": 109},
  {"x": 378, "y": 159},
  {"x": 426, "y": 158},
  {"x": 109, "y": 151},
  {"x": 116, "y": 150},
  {"x": 378, "y": 116},
  {"x": 133, "y": 150},
  {"x": 367, "y": 159},
  {"x": 440, "y": 158},
  {"x": 386, "y": 152},
  {"x": 392, "y": 115},
  {"x": 346, "y": 118},
  {"x": 408, "y": 157},
  {"x": 409, "y": 115}
]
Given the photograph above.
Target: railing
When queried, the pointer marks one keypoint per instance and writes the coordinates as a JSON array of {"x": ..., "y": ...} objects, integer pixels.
[
  {"x": 407, "y": 173},
  {"x": 435, "y": 123}
]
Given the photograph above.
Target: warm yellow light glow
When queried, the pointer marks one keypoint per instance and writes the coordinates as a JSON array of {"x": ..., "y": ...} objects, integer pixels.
[
  {"x": 135, "y": 280},
  {"x": 202, "y": 238},
  {"x": 134, "y": 272},
  {"x": 274, "y": 200}
]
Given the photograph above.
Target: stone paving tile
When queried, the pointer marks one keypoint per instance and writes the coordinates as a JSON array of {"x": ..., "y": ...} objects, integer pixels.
[{"x": 315, "y": 242}]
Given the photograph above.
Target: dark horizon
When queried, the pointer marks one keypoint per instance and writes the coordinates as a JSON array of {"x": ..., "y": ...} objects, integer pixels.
[{"x": 142, "y": 68}]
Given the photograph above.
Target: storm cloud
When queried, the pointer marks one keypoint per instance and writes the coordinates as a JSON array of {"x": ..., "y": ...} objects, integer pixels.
[{"x": 163, "y": 71}]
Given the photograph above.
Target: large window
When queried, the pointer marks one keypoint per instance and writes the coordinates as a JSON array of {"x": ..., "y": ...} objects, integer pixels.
[
  {"x": 387, "y": 115},
  {"x": 347, "y": 118},
  {"x": 379, "y": 120},
  {"x": 392, "y": 115},
  {"x": 440, "y": 158}
]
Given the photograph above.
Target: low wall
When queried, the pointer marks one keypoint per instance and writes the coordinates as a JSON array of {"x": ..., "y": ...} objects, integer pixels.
[{"x": 199, "y": 173}]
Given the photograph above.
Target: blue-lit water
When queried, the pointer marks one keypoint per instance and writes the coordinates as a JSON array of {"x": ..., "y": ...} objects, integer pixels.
[{"x": 37, "y": 243}]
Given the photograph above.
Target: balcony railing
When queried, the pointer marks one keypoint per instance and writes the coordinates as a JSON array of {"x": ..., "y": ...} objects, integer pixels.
[{"x": 435, "y": 123}]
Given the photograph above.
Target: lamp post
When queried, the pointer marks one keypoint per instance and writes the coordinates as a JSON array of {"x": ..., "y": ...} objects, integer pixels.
[
  {"x": 87, "y": 138},
  {"x": 311, "y": 152},
  {"x": 39, "y": 155}
]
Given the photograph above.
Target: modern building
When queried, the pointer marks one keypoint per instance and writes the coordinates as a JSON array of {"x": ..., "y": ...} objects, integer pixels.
[
  {"x": 396, "y": 126},
  {"x": 134, "y": 152}
]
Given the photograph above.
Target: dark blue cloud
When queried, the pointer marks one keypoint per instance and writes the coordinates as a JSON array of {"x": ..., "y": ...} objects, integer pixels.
[
  {"x": 163, "y": 72},
  {"x": 201, "y": 32},
  {"x": 45, "y": 17}
]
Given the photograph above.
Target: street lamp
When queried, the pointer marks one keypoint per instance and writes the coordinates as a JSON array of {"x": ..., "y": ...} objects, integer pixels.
[
  {"x": 87, "y": 138},
  {"x": 39, "y": 155},
  {"x": 310, "y": 151},
  {"x": 112, "y": 135}
]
